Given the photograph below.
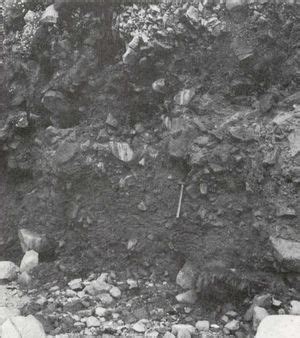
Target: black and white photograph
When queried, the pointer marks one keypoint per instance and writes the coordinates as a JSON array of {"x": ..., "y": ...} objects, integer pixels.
[{"x": 150, "y": 168}]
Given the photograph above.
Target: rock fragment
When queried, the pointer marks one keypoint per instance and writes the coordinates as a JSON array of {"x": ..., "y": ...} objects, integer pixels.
[
  {"x": 259, "y": 313},
  {"x": 8, "y": 271},
  {"x": 29, "y": 261},
  {"x": 287, "y": 253},
  {"x": 186, "y": 277},
  {"x": 23, "y": 327},
  {"x": 276, "y": 326}
]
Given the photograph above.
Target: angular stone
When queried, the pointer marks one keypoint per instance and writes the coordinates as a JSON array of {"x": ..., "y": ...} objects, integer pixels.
[
  {"x": 8, "y": 271},
  {"x": 31, "y": 240},
  {"x": 295, "y": 307},
  {"x": 105, "y": 298},
  {"x": 24, "y": 279},
  {"x": 279, "y": 326},
  {"x": 202, "y": 325},
  {"x": 50, "y": 15},
  {"x": 184, "y": 97},
  {"x": 284, "y": 211},
  {"x": 130, "y": 57},
  {"x": 65, "y": 152},
  {"x": 7, "y": 312},
  {"x": 111, "y": 121},
  {"x": 287, "y": 253},
  {"x": 56, "y": 103},
  {"x": 177, "y": 327},
  {"x": 96, "y": 287},
  {"x": 230, "y": 4},
  {"x": 122, "y": 151},
  {"x": 76, "y": 284},
  {"x": 259, "y": 313},
  {"x": 186, "y": 277},
  {"x": 115, "y": 292},
  {"x": 159, "y": 85},
  {"x": 168, "y": 335},
  {"x": 29, "y": 261},
  {"x": 188, "y": 297},
  {"x": 294, "y": 139},
  {"x": 92, "y": 322},
  {"x": 139, "y": 327},
  {"x": 23, "y": 327},
  {"x": 101, "y": 311},
  {"x": 193, "y": 14},
  {"x": 233, "y": 325}
]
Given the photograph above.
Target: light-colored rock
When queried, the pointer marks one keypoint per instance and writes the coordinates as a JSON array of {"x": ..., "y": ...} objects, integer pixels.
[
  {"x": 76, "y": 284},
  {"x": 7, "y": 312},
  {"x": 294, "y": 139},
  {"x": 259, "y": 313},
  {"x": 50, "y": 15},
  {"x": 177, "y": 327},
  {"x": 287, "y": 252},
  {"x": 295, "y": 307},
  {"x": 111, "y": 121},
  {"x": 184, "y": 97},
  {"x": 29, "y": 261},
  {"x": 139, "y": 327},
  {"x": 279, "y": 326},
  {"x": 230, "y": 4},
  {"x": 96, "y": 287},
  {"x": 168, "y": 335},
  {"x": 122, "y": 151},
  {"x": 186, "y": 277},
  {"x": 184, "y": 333},
  {"x": 24, "y": 279},
  {"x": 115, "y": 292},
  {"x": 101, "y": 311},
  {"x": 105, "y": 298},
  {"x": 31, "y": 240},
  {"x": 92, "y": 322},
  {"x": 193, "y": 14},
  {"x": 202, "y": 325},
  {"x": 188, "y": 297},
  {"x": 23, "y": 327},
  {"x": 8, "y": 270},
  {"x": 159, "y": 85},
  {"x": 233, "y": 325}
]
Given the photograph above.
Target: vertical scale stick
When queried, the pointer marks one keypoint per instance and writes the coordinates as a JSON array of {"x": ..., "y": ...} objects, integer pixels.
[{"x": 180, "y": 201}]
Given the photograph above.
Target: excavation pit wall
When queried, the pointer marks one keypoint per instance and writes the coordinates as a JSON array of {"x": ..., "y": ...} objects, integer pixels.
[{"x": 102, "y": 161}]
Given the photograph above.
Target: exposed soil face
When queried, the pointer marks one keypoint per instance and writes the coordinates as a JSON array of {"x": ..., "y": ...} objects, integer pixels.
[{"x": 101, "y": 163}]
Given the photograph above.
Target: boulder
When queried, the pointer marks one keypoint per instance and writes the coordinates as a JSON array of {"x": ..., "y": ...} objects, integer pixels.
[
  {"x": 276, "y": 326},
  {"x": 259, "y": 313},
  {"x": 233, "y": 325},
  {"x": 186, "y": 277},
  {"x": 24, "y": 279},
  {"x": 30, "y": 240},
  {"x": 8, "y": 271},
  {"x": 50, "y": 15},
  {"x": 230, "y": 4},
  {"x": 176, "y": 328},
  {"x": 65, "y": 152},
  {"x": 287, "y": 253},
  {"x": 23, "y": 327},
  {"x": 295, "y": 307},
  {"x": 29, "y": 261},
  {"x": 92, "y": 322},
  {"x": 7, "y": 312}
]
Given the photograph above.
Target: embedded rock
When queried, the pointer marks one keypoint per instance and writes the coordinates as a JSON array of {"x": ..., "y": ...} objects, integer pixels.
[
  {"x": 279, "y": 326},
  {"x": 8, "y": 271},
  {"x": 29, "y": 261},
  {"x": 287, "y": 253}
]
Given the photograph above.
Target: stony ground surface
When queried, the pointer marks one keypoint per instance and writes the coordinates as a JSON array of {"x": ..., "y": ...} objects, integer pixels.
[{"x": 97, "y": 144}]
